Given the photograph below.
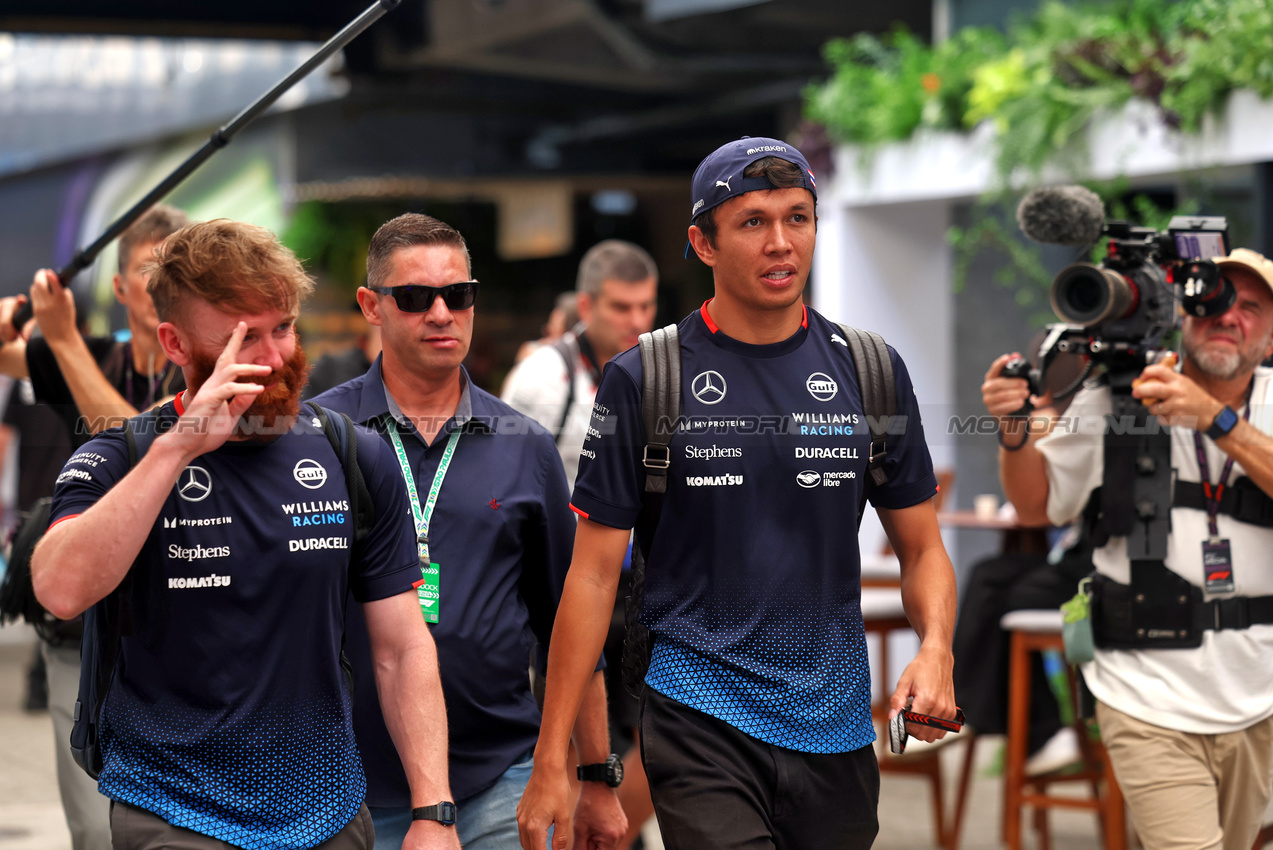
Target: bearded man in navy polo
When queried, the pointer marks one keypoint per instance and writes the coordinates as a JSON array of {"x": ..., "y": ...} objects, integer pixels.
[{"x": 228, "y": 721}]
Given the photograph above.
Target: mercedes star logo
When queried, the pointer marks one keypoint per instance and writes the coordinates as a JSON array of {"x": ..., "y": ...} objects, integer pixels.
[
  {"x": 708, "y": 387},
  {"x": 195, "y": 484}
]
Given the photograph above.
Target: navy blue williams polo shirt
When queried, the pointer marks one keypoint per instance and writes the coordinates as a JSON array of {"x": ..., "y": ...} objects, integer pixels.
[
  {"x": 502, "y": 534},
  {"x": 753, "y": 588},
  {"x": 229, "y": 714}
]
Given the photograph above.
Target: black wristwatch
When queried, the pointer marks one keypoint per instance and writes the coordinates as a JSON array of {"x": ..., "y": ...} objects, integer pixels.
[
  {"x": 443, "y": 813},
  {"x": 609, "y": 771},
  {"x": 1225, "y": 421}
]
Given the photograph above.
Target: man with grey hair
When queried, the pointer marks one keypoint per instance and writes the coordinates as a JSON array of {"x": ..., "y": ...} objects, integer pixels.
[
  {"x": 617, "y": 294},
  {"x": 1187, "y": 713}
]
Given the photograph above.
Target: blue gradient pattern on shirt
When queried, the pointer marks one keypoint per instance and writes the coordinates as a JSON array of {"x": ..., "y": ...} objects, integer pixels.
[
  {"x": 229, "y": 713},
  {"x": 752, "y": 592}
]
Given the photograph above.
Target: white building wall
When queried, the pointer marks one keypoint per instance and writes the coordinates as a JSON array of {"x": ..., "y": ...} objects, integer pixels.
[{"x": 888, "y": 269}]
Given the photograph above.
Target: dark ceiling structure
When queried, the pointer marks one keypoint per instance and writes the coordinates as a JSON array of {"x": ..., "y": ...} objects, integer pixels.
[{"x": 456, "y": 88}]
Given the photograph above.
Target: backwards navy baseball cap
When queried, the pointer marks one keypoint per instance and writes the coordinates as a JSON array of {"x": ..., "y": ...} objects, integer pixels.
[{"x": 719, "y": 177}]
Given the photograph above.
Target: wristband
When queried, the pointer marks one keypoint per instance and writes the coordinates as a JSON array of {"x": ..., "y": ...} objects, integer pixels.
[{"x": 1025, "y": 438}]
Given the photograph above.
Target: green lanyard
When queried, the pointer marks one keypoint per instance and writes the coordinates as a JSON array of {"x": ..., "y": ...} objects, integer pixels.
[{"x": 428, "y": 590}]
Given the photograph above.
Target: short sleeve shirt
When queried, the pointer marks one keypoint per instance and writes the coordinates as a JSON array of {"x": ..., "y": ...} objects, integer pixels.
[
  {"x": 229, "y": 714},
  {"x": 1226, "y": 684},
  {"x": 753, "y": 583},
  {"x": 538, "y": 387},
  {"x": 501, "y": 534}
]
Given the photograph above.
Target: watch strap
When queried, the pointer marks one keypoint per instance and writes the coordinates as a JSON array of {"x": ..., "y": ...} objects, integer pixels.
[
  {"x": 443, "y": 813},
  {"x": 592, "y": 772}
]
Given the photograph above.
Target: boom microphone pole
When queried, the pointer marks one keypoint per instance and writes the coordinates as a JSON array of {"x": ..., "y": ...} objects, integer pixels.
[{"x": 85, "y": 256}]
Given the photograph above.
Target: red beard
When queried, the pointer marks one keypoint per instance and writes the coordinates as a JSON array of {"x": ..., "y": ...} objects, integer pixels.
[{"x": 274, "y": 410}]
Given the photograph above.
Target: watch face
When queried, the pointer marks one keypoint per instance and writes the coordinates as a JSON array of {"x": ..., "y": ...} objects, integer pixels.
[{"x": 614, "y": 771}]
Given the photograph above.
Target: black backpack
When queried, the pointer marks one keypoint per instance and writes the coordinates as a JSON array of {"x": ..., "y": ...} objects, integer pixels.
[
  {"x": 110, "y": 620},
  {"x": 17, "y": 596},
  {"x": 661, "y": 412}
]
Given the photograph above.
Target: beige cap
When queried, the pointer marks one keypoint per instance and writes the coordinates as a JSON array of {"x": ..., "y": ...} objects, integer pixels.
[{"x": 1252, "y": 261}]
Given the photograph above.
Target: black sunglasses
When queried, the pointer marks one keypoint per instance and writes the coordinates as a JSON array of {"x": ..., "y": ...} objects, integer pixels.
[{"x": 419, "y": 299}]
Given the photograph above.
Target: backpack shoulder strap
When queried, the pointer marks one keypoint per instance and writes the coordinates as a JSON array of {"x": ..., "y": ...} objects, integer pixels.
[
  {"x": 660, "y": 401},
  {"x": 106, "y": 623},
  {"x": 879, "y": 393},
  {"x": 568, "y": 348},
  {"x": 338, "y": 430},
  {"x": 660, "y": 410}
]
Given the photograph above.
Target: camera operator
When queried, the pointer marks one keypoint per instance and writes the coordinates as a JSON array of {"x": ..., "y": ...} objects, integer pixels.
[{"x": 1189, "y": 730}]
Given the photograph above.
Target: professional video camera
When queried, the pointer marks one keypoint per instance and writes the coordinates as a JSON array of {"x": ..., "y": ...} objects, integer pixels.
[{"x": 1117, "y": 312}]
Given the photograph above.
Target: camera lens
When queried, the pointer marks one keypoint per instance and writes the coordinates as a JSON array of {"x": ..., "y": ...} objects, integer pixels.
[{"x": 1086, "y": 295}]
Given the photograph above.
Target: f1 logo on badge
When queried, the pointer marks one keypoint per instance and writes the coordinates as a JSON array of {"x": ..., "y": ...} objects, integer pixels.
[{"x": 708, "y": 387}]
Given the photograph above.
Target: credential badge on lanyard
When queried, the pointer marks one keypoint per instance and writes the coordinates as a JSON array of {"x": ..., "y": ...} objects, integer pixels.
[{"x": 428, "y": 589}]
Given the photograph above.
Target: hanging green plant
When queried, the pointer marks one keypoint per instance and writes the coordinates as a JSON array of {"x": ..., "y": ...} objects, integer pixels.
[
  {"x": 1041, "y": 84},
  {"x": 883, "y": 90}
]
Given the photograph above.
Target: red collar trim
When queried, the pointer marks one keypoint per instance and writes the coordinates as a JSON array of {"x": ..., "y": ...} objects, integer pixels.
[
  {"x": 179, "y": 403},
  {"x": 711, "y": 326},
  {"x": 707, "y": 317}
]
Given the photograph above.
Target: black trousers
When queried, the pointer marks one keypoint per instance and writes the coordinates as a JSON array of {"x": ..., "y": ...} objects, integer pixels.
[
  {"x": 716, "y": 787},
  {"x": 996, "y": 586}
]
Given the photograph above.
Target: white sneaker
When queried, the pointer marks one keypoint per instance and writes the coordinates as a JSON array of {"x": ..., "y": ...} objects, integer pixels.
[{"x": 1061, "y": 750}]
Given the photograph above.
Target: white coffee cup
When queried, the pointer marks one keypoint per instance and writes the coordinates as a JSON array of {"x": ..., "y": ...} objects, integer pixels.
[{"x": 986, "y": 506}]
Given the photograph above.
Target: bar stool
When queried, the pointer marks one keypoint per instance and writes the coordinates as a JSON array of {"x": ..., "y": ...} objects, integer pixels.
[{"x": 1039, "y": 631}]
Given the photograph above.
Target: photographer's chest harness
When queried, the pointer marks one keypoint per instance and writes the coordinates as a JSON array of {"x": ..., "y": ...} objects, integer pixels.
[{"x": 1160, "y": 609}]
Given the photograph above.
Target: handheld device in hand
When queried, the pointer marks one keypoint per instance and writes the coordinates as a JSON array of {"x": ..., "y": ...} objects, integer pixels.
[{"x": 898, "y": 736}]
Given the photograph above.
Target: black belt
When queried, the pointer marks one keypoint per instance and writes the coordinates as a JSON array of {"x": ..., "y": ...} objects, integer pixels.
[
  {"x": 1242, "y": 500},
  {"x": 1238, "y": 612}
]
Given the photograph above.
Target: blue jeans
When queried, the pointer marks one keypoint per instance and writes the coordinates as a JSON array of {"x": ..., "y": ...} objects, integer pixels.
[{"x": 485, "y": 821}]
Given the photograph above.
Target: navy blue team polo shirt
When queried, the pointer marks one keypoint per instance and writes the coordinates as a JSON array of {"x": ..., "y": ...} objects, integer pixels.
[
  {"x": 230, "y": 714},
  {"x": 753, "y": 588},
  {"x": 502, "y": 536}
]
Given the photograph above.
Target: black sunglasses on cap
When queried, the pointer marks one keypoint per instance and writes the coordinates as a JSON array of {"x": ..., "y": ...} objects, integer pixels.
[{"x": 419, "y": 299}]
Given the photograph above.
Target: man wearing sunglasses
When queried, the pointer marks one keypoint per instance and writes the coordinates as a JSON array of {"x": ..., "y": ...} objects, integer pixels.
[
  {"x": 490, "y": 503},
  {"x": 1189, "y": 729}
]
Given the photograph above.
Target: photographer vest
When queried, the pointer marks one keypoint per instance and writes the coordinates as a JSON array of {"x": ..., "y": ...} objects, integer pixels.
[{"x": 1160, "y": 609}]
